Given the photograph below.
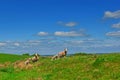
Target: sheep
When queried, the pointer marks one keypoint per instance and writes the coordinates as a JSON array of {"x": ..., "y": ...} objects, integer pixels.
[
  {"x": 35, "y": 58},
  {"x": 55, "y": 57},
  {"x": 28, "y": 61},
  {"x": 60, "y": 54},
  {"x": 63, "y": 53}
]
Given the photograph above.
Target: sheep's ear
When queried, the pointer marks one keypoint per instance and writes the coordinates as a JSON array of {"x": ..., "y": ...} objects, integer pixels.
[
  {"x": 66, "y": 49},
  {"x": 36, "y": 54}
]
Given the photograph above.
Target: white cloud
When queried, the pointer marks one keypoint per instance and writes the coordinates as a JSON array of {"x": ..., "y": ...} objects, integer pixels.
[
  {"x": 67, "y": 24},
  {"x": 69, "y": 34},
  {"x": 42, "y": 34},
  {"x": 116, "y": 25},
  {"x": 16, "y": 44},
  {"x": 113, "y": 34},
  {"x": 55, "y": 45},
  {"x": 71, "y": 24},
  {"x": 2, "y": 44},
  {"x": 109, "y": 14},
  {"x": 34, "y": 41}
]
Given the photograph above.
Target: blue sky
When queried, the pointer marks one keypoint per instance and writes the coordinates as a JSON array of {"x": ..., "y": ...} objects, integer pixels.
[{"x": 49, "y": 26}]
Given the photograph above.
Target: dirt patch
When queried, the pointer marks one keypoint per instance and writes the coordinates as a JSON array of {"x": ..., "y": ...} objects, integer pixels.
[
  {"x": 22, "y": 65},
  {"x": 2, "y": 65},
  {"x": 6, "y": 64}
]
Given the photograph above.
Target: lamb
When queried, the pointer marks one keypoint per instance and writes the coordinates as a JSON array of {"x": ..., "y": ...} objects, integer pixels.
[
  {"x": 55, "y": 57},
  {"x": 27, "y": 61},
  {"x": 35, "y": 58}
]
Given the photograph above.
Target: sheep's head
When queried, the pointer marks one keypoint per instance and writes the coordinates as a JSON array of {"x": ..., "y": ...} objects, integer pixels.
[{"x": 65, "y": 49}]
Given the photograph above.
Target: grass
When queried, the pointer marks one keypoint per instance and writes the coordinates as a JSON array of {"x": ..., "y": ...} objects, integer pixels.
[
  {"x": 75, "y": 67},
  {"x": 10, "y": 57}
]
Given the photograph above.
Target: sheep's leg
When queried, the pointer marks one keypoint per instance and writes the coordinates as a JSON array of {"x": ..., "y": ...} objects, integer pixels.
[
  {"x": 53, "y": 58},
  {"x": 64, "y": 56},
  {"x": 58, "y": 57}
]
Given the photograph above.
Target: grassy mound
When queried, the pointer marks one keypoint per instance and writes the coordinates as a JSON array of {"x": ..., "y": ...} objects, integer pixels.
[{"x": 75, "y": 67}]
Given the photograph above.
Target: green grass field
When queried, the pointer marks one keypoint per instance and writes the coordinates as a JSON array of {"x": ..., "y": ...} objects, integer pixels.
[{"x": 75, "y": 67}]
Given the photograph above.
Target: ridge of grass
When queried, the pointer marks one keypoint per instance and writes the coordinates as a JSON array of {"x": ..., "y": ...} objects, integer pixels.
[{"x": 75, "y": 67}]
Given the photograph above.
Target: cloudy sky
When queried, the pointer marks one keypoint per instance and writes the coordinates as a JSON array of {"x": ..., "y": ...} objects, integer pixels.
[{"x": 49, "y": 26}]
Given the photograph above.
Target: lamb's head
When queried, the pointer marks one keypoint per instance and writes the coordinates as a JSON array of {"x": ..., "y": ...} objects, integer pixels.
[
  {"x": 29, "y": 59},
  {"x": 36, "y": 54}
]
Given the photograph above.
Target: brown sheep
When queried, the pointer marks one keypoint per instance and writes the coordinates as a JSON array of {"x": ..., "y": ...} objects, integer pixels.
[
  {"x": 60, "y": 54},
  {"x": 63, "y": 53}
]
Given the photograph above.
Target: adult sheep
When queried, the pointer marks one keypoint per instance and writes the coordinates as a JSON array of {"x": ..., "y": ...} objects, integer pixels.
[
  {"x": 60, "y": 54},
  {"x": 63, "y": 53}
]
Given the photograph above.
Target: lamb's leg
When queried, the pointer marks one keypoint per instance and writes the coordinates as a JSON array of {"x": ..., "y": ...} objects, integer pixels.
[{"x": 53, "y": 58}]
